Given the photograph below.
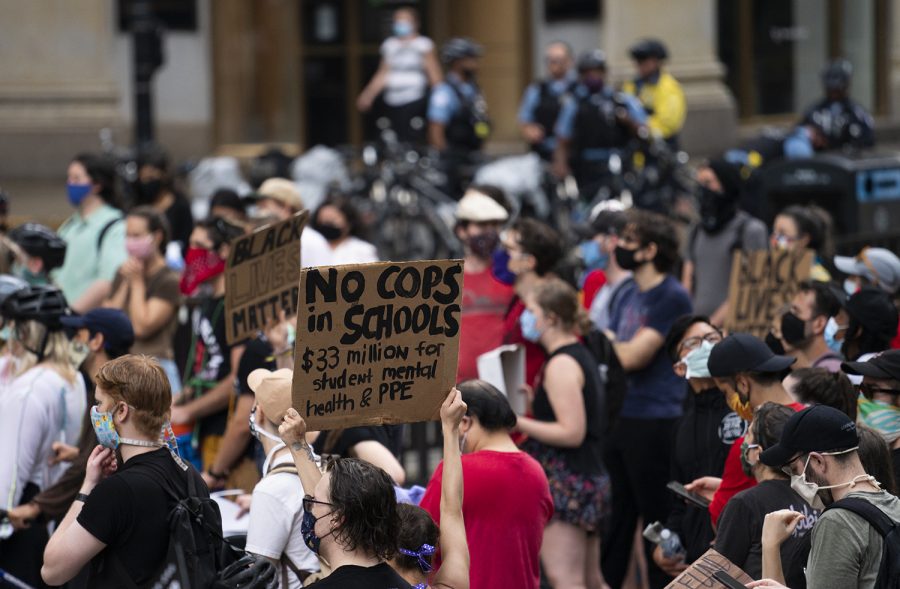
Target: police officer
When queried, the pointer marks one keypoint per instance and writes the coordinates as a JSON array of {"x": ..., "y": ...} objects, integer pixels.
[
  {"x": 594, "y": 124},
  {"x": 543, "y": 100},
  {"x": 660, "y": 93},
  {"x": 835, "y": 121}
]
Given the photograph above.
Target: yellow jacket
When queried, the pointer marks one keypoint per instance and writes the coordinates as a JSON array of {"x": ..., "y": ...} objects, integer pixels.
[{"x": 664, "y": 101}]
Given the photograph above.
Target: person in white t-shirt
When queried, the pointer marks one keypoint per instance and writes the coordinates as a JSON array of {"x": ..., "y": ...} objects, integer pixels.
[
  {"x": 279, "y": 199},
  {"x": 408, "y": 67},
  {"x": 337, "y": 220},
  {"x": 276, "y": 508}
]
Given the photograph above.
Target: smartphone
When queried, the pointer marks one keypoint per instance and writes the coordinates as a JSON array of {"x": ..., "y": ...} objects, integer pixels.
[
  {"x": 728, "y": 580},
  {"x": 693, "y": 498}
]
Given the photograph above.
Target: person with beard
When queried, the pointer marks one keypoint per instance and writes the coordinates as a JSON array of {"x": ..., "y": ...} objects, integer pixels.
[
  {"x": 703, "y": 437},
  {"x": 746, "y": 370},
  {"x": 155, "y": 188},
  {"x": 804, "y": 324},
  {"x": 594, "y": 124},
  {"x": 337, "y": 220},
  {"x": 819, "y": 449},
  {"x": 638, "y": 454},
  {"x": 485, "y": 299},
  {"x": 739, "y": 535},
  {"x": 722, "y": 230}
]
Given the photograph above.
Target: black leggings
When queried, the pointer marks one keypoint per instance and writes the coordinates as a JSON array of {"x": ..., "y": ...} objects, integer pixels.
[
  {"x": 22, "y": 554},
  {"x": 638, "y": 460}
]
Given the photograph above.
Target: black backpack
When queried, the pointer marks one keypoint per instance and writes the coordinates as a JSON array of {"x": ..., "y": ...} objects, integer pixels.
[
  {"x": 612, "y": 375},
  {"x": 889, "y": 571}
]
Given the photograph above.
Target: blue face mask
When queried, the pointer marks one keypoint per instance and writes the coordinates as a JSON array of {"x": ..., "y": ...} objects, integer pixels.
[
  {"x": 831, "y": 329},
  {"x": 77, "y": 193},
  {"x": 308, "y": 531},
  {"x": 528, "y": 323},
  {"x": 594, "y": 258},
  {"x": 108, "y": 436},
  {"x": 402, "y": 28},
  {"x": 500, "y": 267}
]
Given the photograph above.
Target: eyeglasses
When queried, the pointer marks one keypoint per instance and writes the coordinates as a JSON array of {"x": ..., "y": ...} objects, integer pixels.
[
  {"x": 308, "y": 502},
  {"x": 869, "y": 390},
  {"x": 787, "y": 468},
  {"x": 692, "y": 343}
]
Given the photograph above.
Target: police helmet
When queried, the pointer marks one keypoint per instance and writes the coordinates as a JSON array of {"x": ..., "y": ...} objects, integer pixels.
[
  {"x": 594, "y": 59},
  {"x": 648, "y": 48},
  {"x": 836, "y": 75},
  {"x": 459, "y": 48}
]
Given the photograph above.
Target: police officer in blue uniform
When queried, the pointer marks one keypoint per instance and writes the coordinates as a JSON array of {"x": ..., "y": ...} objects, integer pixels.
[{"x": 543, "y": 100}]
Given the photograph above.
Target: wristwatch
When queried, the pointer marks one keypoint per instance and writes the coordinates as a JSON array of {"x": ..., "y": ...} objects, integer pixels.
[{"x": 81, "y": 497}]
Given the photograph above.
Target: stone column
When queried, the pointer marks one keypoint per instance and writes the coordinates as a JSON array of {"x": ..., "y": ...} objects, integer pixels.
[
  {"x": 688, "y": 28},
  {"x": 56, "y": 84},
  {"x": 893, "y": 60}
]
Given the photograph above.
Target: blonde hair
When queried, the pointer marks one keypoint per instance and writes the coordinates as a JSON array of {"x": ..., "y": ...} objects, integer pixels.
[
  {"x": 142, "y": 384},
  {"x": 558, "y": 298},
  {"x": 30, "y": 335}
]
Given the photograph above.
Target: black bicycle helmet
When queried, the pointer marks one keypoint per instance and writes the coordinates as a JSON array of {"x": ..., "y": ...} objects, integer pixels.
[
  {"x": 42, "y": 303},
  {"x": 648, "y": 48},
  {"x": 836, "y": 75},
  {"x": 9, "y": 286},
  {"x": 460, "y": 48},
  {"x": 595, "y": 59},
  {"x": 249, "y": 572},
  {"x": 41, "y": 242}
]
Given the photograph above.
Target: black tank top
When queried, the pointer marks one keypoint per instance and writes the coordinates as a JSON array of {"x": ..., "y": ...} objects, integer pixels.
[{"x": 587, "y": 458}]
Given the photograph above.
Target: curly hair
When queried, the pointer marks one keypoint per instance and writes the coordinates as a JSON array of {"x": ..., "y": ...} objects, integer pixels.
[
  {"x": 364, "y": 501},
  {"x": 647, "y": 227},
  {"x": 540, "y": 241},
  {"x": 416, "y": 529}
]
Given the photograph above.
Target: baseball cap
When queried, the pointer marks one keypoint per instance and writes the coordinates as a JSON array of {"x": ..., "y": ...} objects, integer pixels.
[
  {"x": 884, "y": 366},
  {"x": 879, "y": 266},
  {"x": 872, "y": 308},
  {"x": 281, "y": 190},
  {"x": 819, "y": 428},
  {"x": 272, "y": 390},
  {"x": 114, "y": 324},
  {"x": 742, "y": 352},
  {"x": 480, "y": 208}
]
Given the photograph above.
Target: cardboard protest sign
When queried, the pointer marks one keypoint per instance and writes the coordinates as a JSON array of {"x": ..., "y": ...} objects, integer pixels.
[
  {"x": 262, "y": 276},
  {"x": 376, "y": 343},
  {"x": 761, "y": 283},
  {"x": 701, "y": 572}
]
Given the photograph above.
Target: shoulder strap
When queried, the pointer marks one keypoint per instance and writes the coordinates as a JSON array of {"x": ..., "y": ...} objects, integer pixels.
[
  {"x": 289, "y": 468},
  {"x": 876, "y": 518},
  {"x": 287, "y": 562},
  {"x": 105, "y": 230}
]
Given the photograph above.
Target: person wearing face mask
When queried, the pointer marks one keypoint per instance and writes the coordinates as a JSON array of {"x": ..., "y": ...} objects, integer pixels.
[
  {"x": 155, "y": 188},
  {"x": 485, "y": 299},
  {"x": 120, "y": 513},
  {"x": 607, "y": 226},
  {"x": 722, "y": 230},
  {"x": 94, "y": 234},
  {"x": 594, "y": 124},
  {"x": 41, "y": 252},
  {"x": 565, "y": 435},
  {"x": 800, "y": 227},
  {"x": 277, "y": 199},
  {"x": 805, "y": 325},
  {"x": 819, "y": 449},
  {"x": 408, "y": 68},
  {"x": 867, "y": 324},
  {"x": 338, "y": 221},
  {"x": 872, "y": 266},
  {"x": 147, "y": 290},
  {"x": 276, "y": 510},
  {"x": 703, "y": 437},
  {"x": 42, "y": 405},
  {"x": 507, "y": 502},
  {"x": 208, "y": 383},
  {"x": 606, "y": 222},
  {"x": 639, "y": 453},
  {"x": 739, "y": 534}
]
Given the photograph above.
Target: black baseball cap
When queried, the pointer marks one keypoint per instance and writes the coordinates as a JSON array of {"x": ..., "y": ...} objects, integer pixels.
[
  {"x": 114, "y": 324},
  {"x": 819, "y": 428},
  {"x": 742, "y": 352},
  {"x": 884, "y": 366},
  {"x": 873, "y": 309}
]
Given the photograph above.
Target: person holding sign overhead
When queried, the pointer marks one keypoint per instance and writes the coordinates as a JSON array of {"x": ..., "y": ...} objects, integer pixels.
[{"x": 565, "y": 435}]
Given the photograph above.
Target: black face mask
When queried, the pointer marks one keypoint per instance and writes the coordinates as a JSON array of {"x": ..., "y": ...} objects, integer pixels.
[
  {"x": 329, "y": 232},
  {"x": 468, "y": 74},
  {"x": 716, "y": 209},
  {"x": 793, "y": 329},
  {"x": 149, "y": 190},
  {"x": 625, "y": 258},
  {"x": 774, "y": 344},
  {"x": 483, "y": 244}
]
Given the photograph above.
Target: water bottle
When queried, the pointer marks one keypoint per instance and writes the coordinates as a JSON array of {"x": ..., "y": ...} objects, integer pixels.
[{"x": 671, "y": 544}]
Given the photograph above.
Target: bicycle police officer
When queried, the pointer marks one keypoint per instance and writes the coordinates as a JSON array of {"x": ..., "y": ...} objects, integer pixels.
[
  {"x": 458, "y": 121},
  {"x": 595, "y": 123},
  {"x": 543, "y": 100},
  {"x": 659, "y": 92}
]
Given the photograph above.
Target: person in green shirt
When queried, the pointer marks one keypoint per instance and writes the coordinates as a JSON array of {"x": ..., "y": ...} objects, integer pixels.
[{"x": 94, "y": 234}]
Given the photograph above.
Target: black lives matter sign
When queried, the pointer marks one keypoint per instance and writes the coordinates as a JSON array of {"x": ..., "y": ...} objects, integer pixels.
[{"x": 376, "y": 343}]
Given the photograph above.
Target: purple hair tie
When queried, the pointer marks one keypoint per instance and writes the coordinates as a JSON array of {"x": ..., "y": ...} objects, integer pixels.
[{"x": 420, "y": 554}]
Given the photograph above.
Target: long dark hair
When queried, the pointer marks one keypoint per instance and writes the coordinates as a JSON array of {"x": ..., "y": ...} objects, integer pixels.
[
  {"x": 156, "y": 221},
  {"x": 102, "y": 171},
  {"x": 363, "y": 498},
  {"x": 355, "y": 225}
]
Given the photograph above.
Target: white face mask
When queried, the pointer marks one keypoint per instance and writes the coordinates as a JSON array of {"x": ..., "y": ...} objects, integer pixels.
[
  {"x": 257, "y": 431},
  {"x": 462, "y": 443},
  {"x": 696, "y": 361},
  {"x": 850, "y": 287},
  {"x": 810, "y": 491}
]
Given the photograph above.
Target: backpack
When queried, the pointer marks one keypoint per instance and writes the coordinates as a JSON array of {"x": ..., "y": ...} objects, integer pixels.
[
  {"x": 889, "y": 570},
  {"x": 612, "y": 375}
]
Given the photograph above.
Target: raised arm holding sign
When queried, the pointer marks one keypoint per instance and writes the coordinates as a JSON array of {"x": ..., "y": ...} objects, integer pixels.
[{"x": 376, "y": 343}]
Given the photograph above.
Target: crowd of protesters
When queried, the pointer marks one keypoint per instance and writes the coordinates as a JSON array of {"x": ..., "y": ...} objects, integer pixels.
[{"x": 121, "y": 398}]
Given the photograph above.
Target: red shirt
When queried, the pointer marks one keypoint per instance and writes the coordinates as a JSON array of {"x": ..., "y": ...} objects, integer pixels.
[
  {"x": 733, "y": 478},
  {"x": 485, "y": 301},
  {"x": 593, "y": 282},
  {"x": 895, "y": 343},
  {"x": 506, "y": 505},
  {"x": 535, "y": 356}
]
